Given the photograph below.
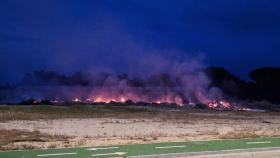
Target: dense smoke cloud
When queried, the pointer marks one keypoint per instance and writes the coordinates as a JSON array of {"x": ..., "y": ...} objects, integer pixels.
[
  {"x": 110, "y": 64},
  {"x": 175, "y": 82},
  {"x": 115, "y": 66},
  {"x": 188, "y": 84}
]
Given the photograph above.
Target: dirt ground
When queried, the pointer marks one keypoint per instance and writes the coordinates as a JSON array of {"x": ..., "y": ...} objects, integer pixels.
[{"x": 53, "y": 127}]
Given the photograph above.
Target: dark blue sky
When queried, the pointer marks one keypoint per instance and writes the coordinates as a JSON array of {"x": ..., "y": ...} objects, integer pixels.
[{"x": 71, "y": 35}]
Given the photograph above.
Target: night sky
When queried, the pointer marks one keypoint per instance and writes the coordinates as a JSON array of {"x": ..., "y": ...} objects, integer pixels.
[{"x": 125, "y": 35}]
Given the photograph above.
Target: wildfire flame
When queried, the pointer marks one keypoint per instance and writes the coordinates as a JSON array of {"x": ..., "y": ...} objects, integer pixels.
[
  {"x": 225, "y": 105},
  {"x": 213, "y": 104}
]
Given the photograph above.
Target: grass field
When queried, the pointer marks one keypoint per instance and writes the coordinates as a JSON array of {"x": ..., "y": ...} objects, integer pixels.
[
  {"x": 46, "y": 127},
  {"x": 23, "y": 112},
  {"x": 146, "y": 149}
]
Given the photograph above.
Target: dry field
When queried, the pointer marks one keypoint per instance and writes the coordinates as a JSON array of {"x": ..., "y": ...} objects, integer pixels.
[{"x": 29, "y": 127}]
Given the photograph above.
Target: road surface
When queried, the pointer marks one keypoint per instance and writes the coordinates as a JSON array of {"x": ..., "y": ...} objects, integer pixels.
[{"x": 171, "y": 149}]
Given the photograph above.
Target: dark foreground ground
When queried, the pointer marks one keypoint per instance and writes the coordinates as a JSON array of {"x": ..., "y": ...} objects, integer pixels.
[{"x": 32, "y": 127}]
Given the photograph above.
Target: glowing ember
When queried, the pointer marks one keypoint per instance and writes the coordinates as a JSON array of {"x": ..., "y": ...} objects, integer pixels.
[
  {"x": 123, "y": 100},
  {"x": 225, "y": 105},
  {"x": 76, "y": 100},
  {"x": 220, "y": 105},
  {"x": 103, "y": 100},
  {"x": 98, "y": 100}
]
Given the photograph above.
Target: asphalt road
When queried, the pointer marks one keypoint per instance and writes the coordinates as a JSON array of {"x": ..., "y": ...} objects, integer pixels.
[{"x": 149, "y": 150}]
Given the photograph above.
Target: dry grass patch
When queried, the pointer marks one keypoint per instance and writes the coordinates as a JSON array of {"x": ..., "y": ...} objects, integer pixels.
[
  {"x": 239, "y": 135},
  {"x": 8, "y": 137},
  {"x": 36, "y": 112},
  {"x": 186, "y": 116}
]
